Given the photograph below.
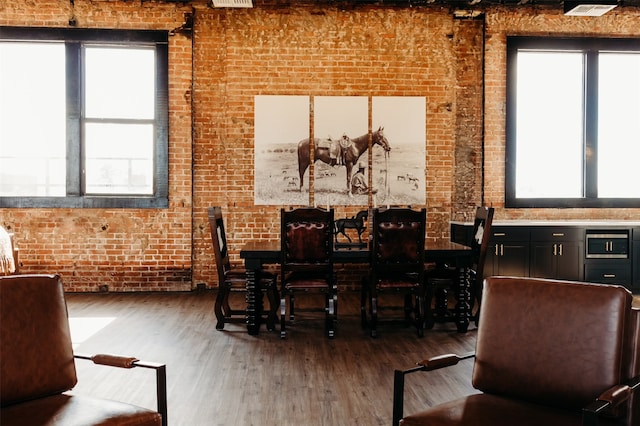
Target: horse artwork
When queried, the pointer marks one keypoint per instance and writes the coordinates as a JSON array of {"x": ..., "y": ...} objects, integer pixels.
[
  {"x": 357, "y": 223},
  {"x": 351, "y": 154}
]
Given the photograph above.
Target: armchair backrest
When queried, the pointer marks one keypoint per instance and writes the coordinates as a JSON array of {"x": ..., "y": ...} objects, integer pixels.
[
  {"x": 219, "y": 241},
  {"x": 398, "y": 240},
  {"x": 633, "y": 353},
  {"x": 36, "y": 352},
  {"x": 551, "y": 342},
  {"x": 306, "y": 239}
]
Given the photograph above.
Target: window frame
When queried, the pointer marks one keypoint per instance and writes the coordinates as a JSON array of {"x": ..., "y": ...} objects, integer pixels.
[
  {"x": 74, "y": 38},
  {"x": 590, "y": 48}
]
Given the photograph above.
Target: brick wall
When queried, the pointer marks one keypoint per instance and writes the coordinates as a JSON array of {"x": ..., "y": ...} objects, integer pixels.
[{"x": 236, "y": 54}]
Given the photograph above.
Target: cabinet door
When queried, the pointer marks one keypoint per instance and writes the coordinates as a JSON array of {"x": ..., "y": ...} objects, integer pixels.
[
  {"x": 543, "y": 259},
  {"x": 508, "y": 258},
  {"x": 570, "y": 261},
  {"x": 559, "y": 260}
]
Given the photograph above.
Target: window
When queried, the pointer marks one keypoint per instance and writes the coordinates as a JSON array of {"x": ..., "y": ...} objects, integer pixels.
[
  {"x": 573, "y": 122},
  {"x": 83, "y": 118}
]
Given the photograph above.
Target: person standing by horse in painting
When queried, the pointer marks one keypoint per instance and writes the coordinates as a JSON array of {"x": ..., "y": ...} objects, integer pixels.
[
  {"x": 337, "y": 149},
  {"x": 359, "y": 181}
]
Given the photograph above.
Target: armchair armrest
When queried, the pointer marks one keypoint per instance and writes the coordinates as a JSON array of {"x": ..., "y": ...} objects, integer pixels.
[
  {"x": 433, "y": 363},
  {"x": 132, "y": 362},
  {"x": 610, "y": 398}
]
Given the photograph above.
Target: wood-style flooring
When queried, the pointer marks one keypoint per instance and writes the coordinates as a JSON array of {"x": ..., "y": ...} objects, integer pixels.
[{"x": 230, "y": 378}]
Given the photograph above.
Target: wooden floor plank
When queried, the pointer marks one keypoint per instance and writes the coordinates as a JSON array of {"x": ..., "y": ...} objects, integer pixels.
[{"x": 230, "y": 378}]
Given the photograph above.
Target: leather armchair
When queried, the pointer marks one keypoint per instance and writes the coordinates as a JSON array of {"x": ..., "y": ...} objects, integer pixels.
[
  {"x": 38, "y": 365},
  {"x": 548, "y": 352}
]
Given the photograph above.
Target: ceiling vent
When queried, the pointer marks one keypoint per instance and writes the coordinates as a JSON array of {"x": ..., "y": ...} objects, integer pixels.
[
  {"x": 232, "y": 3},
  {"x": 588, "y": 7}
]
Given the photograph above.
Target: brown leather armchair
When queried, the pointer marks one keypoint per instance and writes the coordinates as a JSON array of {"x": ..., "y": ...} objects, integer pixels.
[
  {"x": 37, "y": 364},
  {"x": 548, "y": 353}
]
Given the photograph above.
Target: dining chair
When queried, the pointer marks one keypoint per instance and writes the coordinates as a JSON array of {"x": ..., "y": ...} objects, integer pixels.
[
  {"x": 548, "y": 352},
  {"x": 442, "y": 279},
  {"x": 396, "y": 266},
  {"x": 306, "y": 249},
  {"x": 9, "y": 262},
  {"x": 234, "y": 279}
]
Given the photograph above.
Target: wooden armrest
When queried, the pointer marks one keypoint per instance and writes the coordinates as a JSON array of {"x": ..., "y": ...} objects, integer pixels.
[
  {"x": 131, "y": 362},
  {"x": 612, "y": 397},
  {"x": 442, "y": 361},
  {"x": 616, "y": 395},
  {"x": 429, "y": 364}
]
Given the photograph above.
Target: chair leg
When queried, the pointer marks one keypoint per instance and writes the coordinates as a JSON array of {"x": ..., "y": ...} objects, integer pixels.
[
  {"x": 283, "y": 316},
  {"x": 374, "y": 317},
  {"x": 291, "y": 306},
  {"x": 408, "y": 307},
  {"x": 272, "y": 294},
  {"x": 419, "y": 315},
  {"x": 442, "y": 303},
  {"x": 226, "y": 308},
  {"x": 221, "y": 300},
  {"x": 429, "y": 319},
  {"x": 363, "y": 302},
  {"x": 330, "y": 315}
]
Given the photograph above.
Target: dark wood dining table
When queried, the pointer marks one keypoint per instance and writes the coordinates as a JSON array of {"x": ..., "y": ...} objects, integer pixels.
[{"x": 267, "y": 252}]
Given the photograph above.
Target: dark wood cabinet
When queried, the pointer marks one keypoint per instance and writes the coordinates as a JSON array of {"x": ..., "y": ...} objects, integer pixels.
[
  {"x": 557, "y": 253},
  {"x": 508, "y": 252},
  {"x": 635, "y": 265},
  {"x": 608, "y": 256},
  {"x": 602, "y": 253}
]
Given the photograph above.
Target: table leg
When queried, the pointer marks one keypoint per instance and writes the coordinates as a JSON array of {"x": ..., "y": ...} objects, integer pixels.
[
  {"x": 254, "y": 297},
  {"x": 462, "y": 306}
]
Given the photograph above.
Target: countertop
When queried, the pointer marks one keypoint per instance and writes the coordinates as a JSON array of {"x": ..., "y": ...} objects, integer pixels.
[{"x": 595, "y": 223}]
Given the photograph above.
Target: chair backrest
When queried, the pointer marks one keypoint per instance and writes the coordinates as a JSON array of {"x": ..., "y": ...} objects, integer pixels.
[
  {"x": 36, "y": 352},
  {"x": 306, "y": 239},
  {"x": 8, "y": 253},
  {"x": 633, "y": 353},
  {"x": 398, "y": 240},
  {"x": 219, "y": 240},
  {"x": 557, "y": 343},
  {"x": 481, "y": 235}
]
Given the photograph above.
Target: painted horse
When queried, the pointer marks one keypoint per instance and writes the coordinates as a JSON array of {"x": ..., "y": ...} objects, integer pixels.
[{"x": 358, "y": 147}]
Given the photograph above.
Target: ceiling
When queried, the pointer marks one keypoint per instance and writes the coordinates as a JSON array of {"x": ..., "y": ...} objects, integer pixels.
[{"x": 478, "y": 4}]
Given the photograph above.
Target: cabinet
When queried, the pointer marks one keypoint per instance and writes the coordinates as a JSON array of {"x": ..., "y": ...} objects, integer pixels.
[
  {"x": 608, "y": 257},
  {"x": 601, "y": 253},
  {"x": 557, "y": 253},
  {"x": 635, "y": 253},
  {"x": 609, "y": 272},
  {"x": 508, "y": 252}
]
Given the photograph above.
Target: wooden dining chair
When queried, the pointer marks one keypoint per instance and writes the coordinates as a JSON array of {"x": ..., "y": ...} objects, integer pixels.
[
  {"x": 9, "y": 262},
  {"x": 396, "y": 266},
  {"x": 306, "y": 248},
  {"x": 442, "y": 279},
  {"x": 235, "y": 279}
]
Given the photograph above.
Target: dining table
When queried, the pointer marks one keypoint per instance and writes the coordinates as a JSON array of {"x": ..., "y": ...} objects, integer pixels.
[{"x": 257, "y": 253}]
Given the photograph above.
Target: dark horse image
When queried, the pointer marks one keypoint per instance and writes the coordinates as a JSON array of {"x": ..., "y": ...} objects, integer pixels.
[
  {"x": 358, "y": 147},
  {"x": 357, "y": 223}
]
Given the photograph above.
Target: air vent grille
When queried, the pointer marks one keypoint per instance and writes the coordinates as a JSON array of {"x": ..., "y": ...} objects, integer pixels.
[
  {"x": 585, "y": 9},
  {"x": 232, "y": 3}
]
